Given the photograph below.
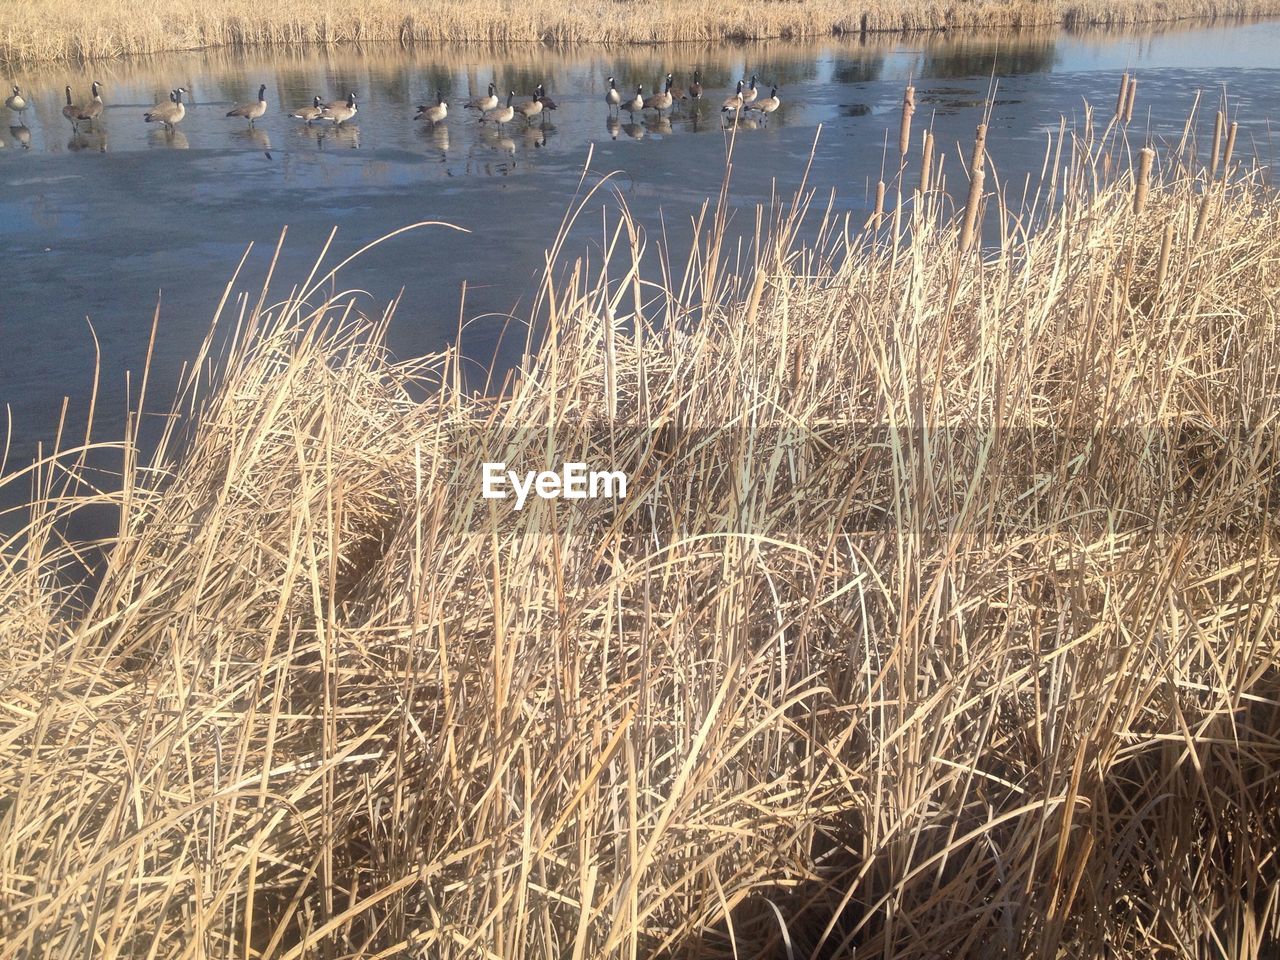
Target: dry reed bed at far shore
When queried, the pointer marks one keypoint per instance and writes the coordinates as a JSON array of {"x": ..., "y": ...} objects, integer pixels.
[
  {"x": 940, "y": 619},
  {"x": 36, "y": 30}
]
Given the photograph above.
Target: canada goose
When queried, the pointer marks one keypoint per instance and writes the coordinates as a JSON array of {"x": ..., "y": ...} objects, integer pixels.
[
  {"x": 501, "y": 115},
  {"x": 93, "y": 109},
  {"x": 695, "y": 88},
  {"x": 660, "y": 101},
  {"x": 749, "y": 95},
  {"x": 340, "y": 111},
  {"x": 17, "y": 103},
  {"x": 547, "y": 102},
  {"x": 71, "y": 111},
  {"x": 733, "y": 103},
  {"x": 252, "y": 111},
  {"x": 678, "y": 93},
  {"x": 170, "y": 113},
  {"x": 635, "y": 104},
  {"x": 486, "y": 103},
  {"x": 612, "y": 97},
  {"x": 310, "y": 113},
  {"x": 433, "y": 113},
  {"x": 530, "y": 109},
  {"x": 767, "y": 105}
]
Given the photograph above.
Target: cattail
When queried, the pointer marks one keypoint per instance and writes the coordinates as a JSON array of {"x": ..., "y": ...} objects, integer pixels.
[
  {"x": 926, "y": 163},
  {"x": 1124, "y": 95},
  {"x": 879, "y": 214},
  {"x": 1133, "y": 96},
  {"x": 1143, "y": 182},
  {"x": 1202, "y": 217},
  {"x": 1166, "y": 245},
  {"x": 904, "y": 132},
  {"x": 1217, "y": 144},
  {"x": 977, "y": 173},
  {"x": 1231, "y": 146}
]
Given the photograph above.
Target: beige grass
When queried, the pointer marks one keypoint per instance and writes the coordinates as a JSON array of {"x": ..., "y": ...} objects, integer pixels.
[
  {"x": 34, "y": 30},
  {"x": 940, "y": 619}
]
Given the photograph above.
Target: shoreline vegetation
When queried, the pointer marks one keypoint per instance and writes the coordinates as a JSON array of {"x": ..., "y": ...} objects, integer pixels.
[
  {"x": 53, "y": 30},
  {"x": 938, "y": 620}
]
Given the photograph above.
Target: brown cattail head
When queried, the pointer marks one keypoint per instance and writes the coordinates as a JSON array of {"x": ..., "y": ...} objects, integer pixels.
[
  {"x": 1166, "y": 245},
  {"x": 977, "y": 173},
  {"x": 1202, "y": 217},
  {"x": 879, "y": 214},
  {"x": 904, "y": 132},
  {"x": 1143, "y": 181},
  {"x": 926, "y": 163},
  {"x": 1123, "y": 99},
  {"x": 1217, "y": 144},
  {"x": 1133, "y": 96},
  {"x": 1231, "y": 148}
]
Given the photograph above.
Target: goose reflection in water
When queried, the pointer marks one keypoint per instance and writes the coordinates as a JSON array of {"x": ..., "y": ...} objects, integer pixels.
[
  {"x": 437, "y": 137},
  {"x": 253, "y": 137},
  {"x": 341, "y": 135},
  {"x": 660, "y": 125},
  {"x": 168, "y": 140},
  {"x": 21, "y": 135},
  {"x": 88, "y": 140}
]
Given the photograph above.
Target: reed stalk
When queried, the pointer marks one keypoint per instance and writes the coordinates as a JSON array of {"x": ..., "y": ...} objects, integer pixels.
[{"x": 1218, "y": 119}]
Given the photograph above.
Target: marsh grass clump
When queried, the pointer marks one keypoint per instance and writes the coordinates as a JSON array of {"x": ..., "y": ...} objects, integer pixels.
[{"x": 939, "y": 619}]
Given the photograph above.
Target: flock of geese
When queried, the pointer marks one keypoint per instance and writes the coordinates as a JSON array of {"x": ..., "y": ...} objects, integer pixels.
[{"x": 745, "y": 100}]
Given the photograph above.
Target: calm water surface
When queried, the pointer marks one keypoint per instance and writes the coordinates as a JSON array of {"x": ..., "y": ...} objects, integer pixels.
[{"x": 97, "y": 226}]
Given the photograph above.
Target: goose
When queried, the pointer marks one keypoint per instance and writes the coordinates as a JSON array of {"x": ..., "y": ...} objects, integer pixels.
[
  {"x": 612, "y": 97},
  {"x": 635, "y": 104},
  {"x": 309, "y": 113},
  {"x": 340, "y": 111},
  {"x": 252, "y": 111},
  {"x": 660, "y": 101},
  {"x": 17, "y": 103},
  {"x": 433, "y": 113},
  {"x": 695, "y": 88},
  {"x": 93, "y": 109},
  {"x": 547, "y": 102},
  {"x": 678, "y": 93},
  {"x": 530, "y": 109},
  {"x": 733, "y": 103},
  {"x": 749, "y": 95},
  {"x": 171, "y": 113},
  {"x": 486, "y": 103},
  {"x": 71, "y": 111},
  {"x": 767, "y": 105},
  {"x": 501, "y": 115}
]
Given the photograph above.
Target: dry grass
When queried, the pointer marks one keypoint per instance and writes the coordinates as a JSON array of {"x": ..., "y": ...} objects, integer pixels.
[
  {"x": 939, "y": 621},
  {"x": 35, "y": 30}
]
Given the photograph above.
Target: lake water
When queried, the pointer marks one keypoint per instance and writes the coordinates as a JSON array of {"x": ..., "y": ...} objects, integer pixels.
[{"x": 99, "y": 225}]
